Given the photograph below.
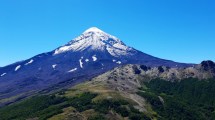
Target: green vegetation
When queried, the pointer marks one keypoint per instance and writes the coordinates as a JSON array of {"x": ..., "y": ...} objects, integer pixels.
[
  {"x": 187, "y": 99},
  {"x": 82, "y": 102},
  {"x": 44, "y": 107},
  {"x": 41, "y": 106},
  {"x": 97, "y": 117}
]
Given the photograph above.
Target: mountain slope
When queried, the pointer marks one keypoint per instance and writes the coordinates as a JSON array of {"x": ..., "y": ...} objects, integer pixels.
[
  {"x": 126, "y": 93},
  {"x": 92, "y": 53}
]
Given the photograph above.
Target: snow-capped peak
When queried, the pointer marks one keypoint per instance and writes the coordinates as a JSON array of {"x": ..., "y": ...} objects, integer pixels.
[
  {"x": 93, "y": 29},
  {"x": 95, "y": 39}
]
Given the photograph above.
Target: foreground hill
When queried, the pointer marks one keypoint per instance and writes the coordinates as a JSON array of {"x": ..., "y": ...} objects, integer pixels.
[{"x": 134, "y": 92}]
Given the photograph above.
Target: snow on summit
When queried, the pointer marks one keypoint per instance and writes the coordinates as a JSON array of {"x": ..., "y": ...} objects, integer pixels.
[
  {"x": 97, "y": 40},
  {"x": 93, "y": 29}
]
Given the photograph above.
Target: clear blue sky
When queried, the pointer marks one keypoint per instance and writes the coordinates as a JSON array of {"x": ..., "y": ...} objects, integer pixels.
[{"x": 179, "y": 30}]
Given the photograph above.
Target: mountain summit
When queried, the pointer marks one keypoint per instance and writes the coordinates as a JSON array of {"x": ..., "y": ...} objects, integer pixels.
[
  {"x": 90, "y": 54},
  {"x": 96, "y": 39},
  {"x": 93, "y": 29}
]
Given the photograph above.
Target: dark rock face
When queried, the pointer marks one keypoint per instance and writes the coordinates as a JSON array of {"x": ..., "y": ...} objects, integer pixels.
[
  {"x": 144, "y": 67},
  {"x": 160, "y": 68},
  {"x": 136, "y": 70},
  {"x": 208, "y": 65}
]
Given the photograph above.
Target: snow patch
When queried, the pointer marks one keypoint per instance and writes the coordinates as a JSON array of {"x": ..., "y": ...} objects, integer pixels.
[
  {"x": 87, "y": 60},
  {"x": 31, "y": 61},
  {"x": 116, "y": 52},
  {"x": 62, "y": 49},
  {"x": 81, "y": 63},
  {"x": 72, "y": 70},
  {"x": 3, "y": 74},
  {"x": 119, "y": 62},
  {"x": 114, "y": 60},
  {"x": 17, "y": 68},
  {"x": 94, "y": 58},
  {"x": 120, "y": 46},
  {"x": 54, "y": 66}
]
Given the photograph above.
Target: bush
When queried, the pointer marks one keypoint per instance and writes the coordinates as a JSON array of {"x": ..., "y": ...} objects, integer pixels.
[
  {"x": 82, "y": 102},
  {"x": 104, "y": 106},
  {"x": 122, "y": 111},
  {"x": 97, "y": 117}
]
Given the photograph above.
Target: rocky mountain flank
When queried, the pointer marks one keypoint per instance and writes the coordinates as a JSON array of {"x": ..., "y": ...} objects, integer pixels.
[{"x": 129, "y": 78}]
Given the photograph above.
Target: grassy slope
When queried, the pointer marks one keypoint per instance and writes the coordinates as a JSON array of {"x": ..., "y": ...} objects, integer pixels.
[
  {"x": 104, "y": 92},
  {"x": 89, "y": 100}
]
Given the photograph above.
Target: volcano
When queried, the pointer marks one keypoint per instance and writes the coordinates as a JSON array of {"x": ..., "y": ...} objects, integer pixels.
[{"x": 90, "y": 54}]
